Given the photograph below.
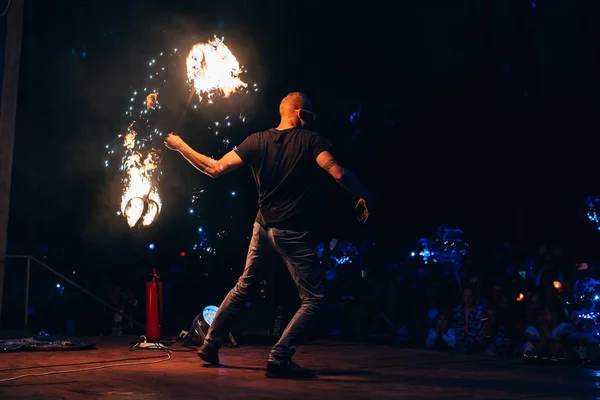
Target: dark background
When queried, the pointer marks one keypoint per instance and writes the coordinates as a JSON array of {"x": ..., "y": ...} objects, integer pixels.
[{"x": 477, "y": 114}]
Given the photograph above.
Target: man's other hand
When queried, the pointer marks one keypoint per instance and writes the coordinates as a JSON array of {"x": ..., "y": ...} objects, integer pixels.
[
  {"x": 173, "y": 142},
  {"x": 363, "y": 210}
]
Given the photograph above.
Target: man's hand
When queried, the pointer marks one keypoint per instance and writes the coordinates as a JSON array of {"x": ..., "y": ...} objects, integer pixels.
[
  {"x": 173, "y": 142},
  {"x": 349, "y": 182},
  {"x": 363, "y": 210}
]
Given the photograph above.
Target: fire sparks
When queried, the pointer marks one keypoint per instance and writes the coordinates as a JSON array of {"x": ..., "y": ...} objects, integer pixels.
[
  {"x": 140, "y": 202},
  {"x": 213, "y": 69}
]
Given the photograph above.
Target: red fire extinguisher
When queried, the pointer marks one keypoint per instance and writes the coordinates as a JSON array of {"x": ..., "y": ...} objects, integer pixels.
[{"x": 154, "y": 307}]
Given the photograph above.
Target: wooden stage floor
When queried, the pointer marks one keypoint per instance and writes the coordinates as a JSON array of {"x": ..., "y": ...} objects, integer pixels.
[{"x": 347, "y": 371}]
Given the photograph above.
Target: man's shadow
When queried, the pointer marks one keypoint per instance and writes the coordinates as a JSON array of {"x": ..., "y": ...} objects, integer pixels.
[{"x": 321, "y": 372}]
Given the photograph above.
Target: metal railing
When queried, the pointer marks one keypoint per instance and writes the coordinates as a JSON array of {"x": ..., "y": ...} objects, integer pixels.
[{"x": 67, "y": 280}]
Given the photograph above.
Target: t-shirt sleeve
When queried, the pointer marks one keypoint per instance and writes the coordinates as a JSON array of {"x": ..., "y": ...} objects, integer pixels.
[
  {"x": 318, "y": 144},
  {"x": 247, "y": 149}
]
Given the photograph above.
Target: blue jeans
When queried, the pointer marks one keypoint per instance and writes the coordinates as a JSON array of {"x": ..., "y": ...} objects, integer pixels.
[{"x": 299, "y": 254}]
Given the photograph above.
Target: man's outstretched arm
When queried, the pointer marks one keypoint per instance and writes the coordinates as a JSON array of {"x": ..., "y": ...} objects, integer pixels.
[
  {"x": 207, "y": 165},
  {"x": 346, "y": 179}
]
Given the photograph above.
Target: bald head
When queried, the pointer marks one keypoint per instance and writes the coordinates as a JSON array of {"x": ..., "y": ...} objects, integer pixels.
[{"x": 292, "y": 102}]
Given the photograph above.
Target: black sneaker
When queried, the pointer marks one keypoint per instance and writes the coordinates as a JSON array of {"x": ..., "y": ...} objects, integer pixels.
[
  {"x": 209, "y": 354},
  {"x": 288, "y": 370}
]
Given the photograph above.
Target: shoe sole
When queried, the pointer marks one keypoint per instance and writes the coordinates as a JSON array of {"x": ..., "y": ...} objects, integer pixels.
[{"x": 207, "y": 359}]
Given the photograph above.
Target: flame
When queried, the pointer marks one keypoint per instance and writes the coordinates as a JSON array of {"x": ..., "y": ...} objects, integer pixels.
[
  {"x": 140, "y": 202},
  {"x": 520, "y": 297},
  {"x": 213, "y": 69},
  {"x": 557, "y": 284},
  {"x": 151, "y": 100}
]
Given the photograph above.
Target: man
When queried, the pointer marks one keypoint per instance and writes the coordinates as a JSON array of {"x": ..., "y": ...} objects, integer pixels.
[{"x": 282, "y": 162}]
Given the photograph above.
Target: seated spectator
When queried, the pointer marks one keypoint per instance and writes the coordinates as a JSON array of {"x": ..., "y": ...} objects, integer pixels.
[
  {"x": 467, "y": 323},
  {"x": 549, "y": 335},
  {"x": 530, "y": 309},
  {"x": 495, "y": 332},
  {"x": 441, "y": 336},
  {"x": 497, "y": 293},
  {"x": 477, "y": 287}
]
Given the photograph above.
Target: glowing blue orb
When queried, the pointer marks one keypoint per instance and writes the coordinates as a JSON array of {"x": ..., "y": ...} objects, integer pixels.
[
  {"x": 412, "y": 253},
  {"x": 58, "y": 285},
  {"x": 151, "y": 246},
  {"x": 587, "y": 289},
  {"x": 209, "y": 314},
  {"x": 592, "y": 214}
]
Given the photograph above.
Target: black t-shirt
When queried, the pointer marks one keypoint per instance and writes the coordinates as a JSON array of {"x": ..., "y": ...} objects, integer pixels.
[{"x": 284, "y": 166}]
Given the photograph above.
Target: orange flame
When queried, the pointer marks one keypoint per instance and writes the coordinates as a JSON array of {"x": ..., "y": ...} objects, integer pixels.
[
  {"x": 213, "y": 69},
  {"x": 151, "y": 100},
  {"x": 140, "y": 202},
  {"x": 557, "y": 284}
]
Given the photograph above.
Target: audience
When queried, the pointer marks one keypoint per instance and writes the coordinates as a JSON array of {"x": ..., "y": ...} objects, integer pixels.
[{"x": 523, "y": 311}]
